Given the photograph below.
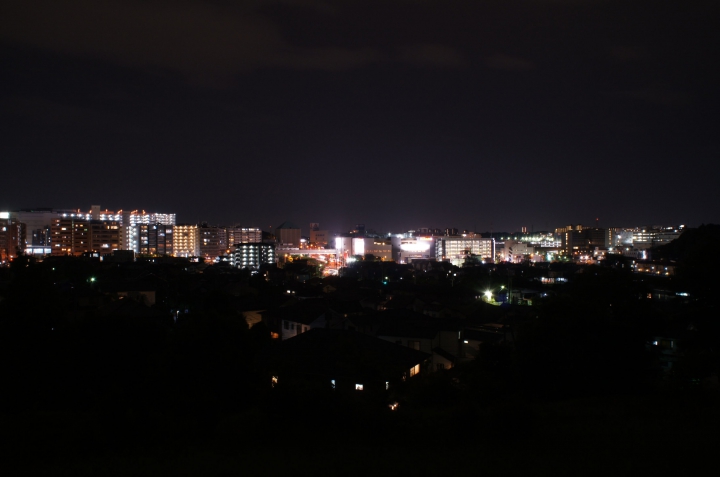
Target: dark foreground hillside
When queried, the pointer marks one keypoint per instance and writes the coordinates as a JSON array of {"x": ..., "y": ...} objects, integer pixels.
[{"x": 666, "y": 435}]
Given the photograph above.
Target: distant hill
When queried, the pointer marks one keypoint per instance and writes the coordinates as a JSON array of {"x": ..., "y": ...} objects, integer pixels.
[
  {"x": 703, "y": 240},
  {"x": 697, "y": 253}
]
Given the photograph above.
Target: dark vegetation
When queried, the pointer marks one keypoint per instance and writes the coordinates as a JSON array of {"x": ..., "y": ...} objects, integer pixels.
[{"x": 93, "y": 384}]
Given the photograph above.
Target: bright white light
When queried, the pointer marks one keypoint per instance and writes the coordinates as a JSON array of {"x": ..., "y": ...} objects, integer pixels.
[
  {"x": 488, "y": 294},
  {"x": 415, "y": 247},
  {"x": 4, "y": 215},
  {"x": 358, "y": 246}
]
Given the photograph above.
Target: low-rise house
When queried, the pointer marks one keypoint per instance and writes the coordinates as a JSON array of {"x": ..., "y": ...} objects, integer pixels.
[
  {"x": 441, "y": 338},
  {"x": 343, "y": 360},
  {"x": 292, "y": 320}
]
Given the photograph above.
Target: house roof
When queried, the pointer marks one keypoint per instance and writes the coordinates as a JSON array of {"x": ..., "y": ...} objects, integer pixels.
[
  {"x": 346, "y": 307},
  {"x": 342, "y": 353},
  {"x": 410, "y": 324},
  {"x": 407, "y": 330},
  {"x": 441, "y": 352},
  {"x": 305, "y": 312}
]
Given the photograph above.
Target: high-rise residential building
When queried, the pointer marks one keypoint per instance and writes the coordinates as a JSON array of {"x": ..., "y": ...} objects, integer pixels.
[
  {"x": 37, "y": 227},
  {"x": 104, "y": 236},
  {"x": 456, "y": 250},
  {"x": 186, "y": 241},
  {"x": 154, "y": 239},
  {"x": 583, "y": 241},
  {"x": 12, "y": 237},
  {"x": 76, "y": 236},
  {"x": 38, "y": 239},
  {"x": 288, "y": 234},
  {"x": 253, "y": 255},
  {"x": 237, "y": 235},
  {"x": 135, "y": 217},
  {"x": 69, "y": 236},
  {"x": 131, "y": 221},
  {"x": 213, "y": 241}
]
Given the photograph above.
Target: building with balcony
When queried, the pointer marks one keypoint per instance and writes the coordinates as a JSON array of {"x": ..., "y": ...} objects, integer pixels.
[
  {"x": 457, "y": 250},
  {"x": 253, "y": 255},
  {"x": 213, "y": 242},
  {"x": 186, "y": 241},
  {"x": 104, "y": 236},
  {"x": 154, "y": 239},
  {"x": 237, "y": 235},
  {"x": 73, "y": 235},
  {"x": 12, "y": 237}
]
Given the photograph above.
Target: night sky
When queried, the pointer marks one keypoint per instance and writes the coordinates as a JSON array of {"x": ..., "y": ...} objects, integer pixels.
[{"x": 394, "y": 113}]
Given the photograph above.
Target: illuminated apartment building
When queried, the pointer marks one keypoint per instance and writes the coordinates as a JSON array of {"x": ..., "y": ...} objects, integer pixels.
[
  {"x": 584, "y": 241},
  {"x": 12, "y": 237},
  {"x": 69, "y": 236},
  {"x": 186, "y": 241},
  {"x": 237, "y": 235},
  {"x": 253, "y": 255},
  {"x": 141, "y": 217},
  {"x": 104, "y": 236},
  {"x": 213, "y": 241},
  {"x": 456, "y": 249},
  {"x": 76, "y": 236},
  {"x": 154, "y": 239},
  {"x": 148, "y": 239}
]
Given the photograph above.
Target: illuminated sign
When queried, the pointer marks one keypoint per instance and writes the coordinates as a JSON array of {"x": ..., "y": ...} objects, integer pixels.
[
  {"x": 415, "y": 247},
  {"x": 358, "y": 246}
]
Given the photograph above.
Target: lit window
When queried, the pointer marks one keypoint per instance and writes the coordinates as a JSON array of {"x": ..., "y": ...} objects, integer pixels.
[{"x": 358, "y": 387}]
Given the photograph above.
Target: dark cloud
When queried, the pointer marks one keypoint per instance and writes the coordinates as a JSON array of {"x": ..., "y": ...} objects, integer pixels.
[
  {"x": 419, "y": 112},
  {"x": 510, "y": 63},
  {"x": 193, "y": 38},
  {"x": 657, "y": 95},
  {"x": 432, "y": 56},
  {"x": 202, "y": 40},
  {"x": 626, "y": 53}
]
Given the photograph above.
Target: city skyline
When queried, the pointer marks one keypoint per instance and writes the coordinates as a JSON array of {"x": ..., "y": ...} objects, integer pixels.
[
  {"x": 476, "y": 115},
  {"x": 107, "y": 213}
]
